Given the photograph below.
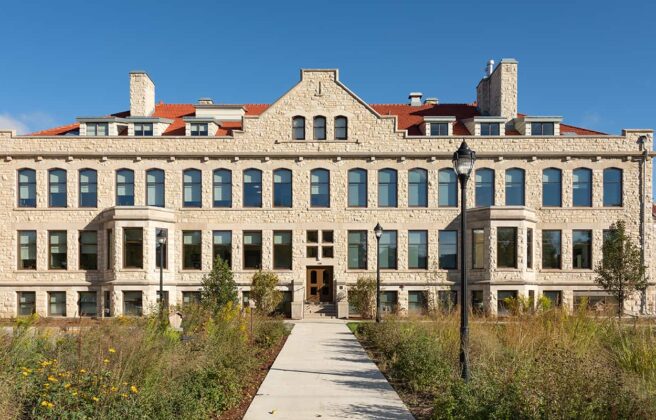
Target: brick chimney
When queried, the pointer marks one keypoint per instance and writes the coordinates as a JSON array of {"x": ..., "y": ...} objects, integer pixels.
[
  {"x": 496, "y": 93},
  {"x": 142, "y": 94}
]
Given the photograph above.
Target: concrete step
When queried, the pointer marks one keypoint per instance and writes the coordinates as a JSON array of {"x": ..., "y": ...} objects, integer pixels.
[{"x": 319, "y": 310}]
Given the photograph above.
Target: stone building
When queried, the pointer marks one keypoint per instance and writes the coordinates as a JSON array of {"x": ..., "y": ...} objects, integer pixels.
[{"x": 297, "y": 186}]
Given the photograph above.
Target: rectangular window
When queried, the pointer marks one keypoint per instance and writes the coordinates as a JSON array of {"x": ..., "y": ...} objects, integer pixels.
[
  {"x": 418, "y": 249},
  {"x": 478, "y": 305},
  {"x": 357, "y": 188},
  {"x": 57, "y": 250},
  {"x": 143, "y": 129},
  {"x": 252, "y": 250},
  {"x": 282, "y": 250},
  {"x": 582, "y": 247},
  {"x": 57, "y": 196},
  {"x": 439, "y": 129},
  {"x": 529, "y": 248},
  {"x": 191, "y": 250},
  {"x": 87, "y": 304},
  {"x": 88, "y": 188},
  {"x": 133, "y": 248},
  {"x": 161, "y": 259},
  {"x": 97, "y": 129},
  {"x": 357, "y": 249},
  {"x": 502, "y": 304},
  {"x": 417, "y": 302},
  {"x": 554, "y": 296},
  {"x": 327, "y": 252},
  {"x": 132, "y": 303},
  {"x": 388, "y": 302},
  {"x": 551, "y": 248},
  {"x": 387, "y": 188},
  {"x": 507, "y": 247},
  {"x": 26, "y": 303},
  {"x": 312, "y": 237},
  {"x": 110, "y": 250},
  {"x": 388, "y": 250},
  {"x": 26, "y": 188},
  {"x": 89, "y": 250},
  {"x": 489, "y": 129},
  {"x": 447, "y": 299},
  {"x": 478, "y": 248},
  {"x": 198, "y": 129},
  {"x": 222, "y": 246},
  {"x": 448, "y": 249},
  {"x": 56, "y": 303},
  {"x": 191, "y": 298},
  {"x": 27, "y": 250},
  {"x": 542, "y": 129}
]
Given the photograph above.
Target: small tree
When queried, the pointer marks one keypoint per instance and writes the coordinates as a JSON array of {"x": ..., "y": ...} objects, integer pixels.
[
  {"x": 621, "y": 271},
  {"x": 218, "y": 287},
  {"x": 363, "y": 296},
  {"x": 264, "y": 292}
]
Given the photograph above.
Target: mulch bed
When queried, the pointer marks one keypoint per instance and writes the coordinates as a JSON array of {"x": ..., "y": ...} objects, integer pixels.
[{"x": 253, "y": 383}]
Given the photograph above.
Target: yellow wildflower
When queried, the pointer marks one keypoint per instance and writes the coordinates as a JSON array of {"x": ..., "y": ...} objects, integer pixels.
[
  {"x": 134, "y": 389},
  {"x": 46, "y": 386},
  {"x": 52, "y": 379},
  {"x": 74, "y": 393},
  {"x": 124, "y": 395},
  {"x": 96, "y": 399},
  {"x": 67, "y": 386},
  {"x": 106, "y": 361},
  {"x": 47, "y": 404},
  {"x": 45, "y": 363},
  {"x": 112, "y": 350},
  {"x": 114, "y": 389},
  {"x": 25, "y": 373},
  {"x": 83, "y": 371}
]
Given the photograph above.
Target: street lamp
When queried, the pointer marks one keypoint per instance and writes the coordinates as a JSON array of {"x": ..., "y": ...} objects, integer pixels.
[
  {"x": 463, "y": 163},
  {"x": 378, "y": 230},
  {"x": 161, "y": 240}
]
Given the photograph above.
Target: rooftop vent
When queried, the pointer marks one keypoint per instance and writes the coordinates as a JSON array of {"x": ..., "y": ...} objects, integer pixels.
[
  {"x": 431, "y": 101},
  {"x": 205, "y": 101},
  {"x": 415, "y": 98},
  {"x": 489, "y": 68}
]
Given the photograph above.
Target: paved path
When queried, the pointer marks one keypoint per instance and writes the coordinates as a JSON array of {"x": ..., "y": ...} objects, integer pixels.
[{"x": 323, "y": 372}]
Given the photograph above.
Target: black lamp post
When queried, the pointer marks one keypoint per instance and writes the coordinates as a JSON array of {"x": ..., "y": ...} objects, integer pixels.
[
  {"x": 161, "y": 240},
  {"x": 463, "y": 163},
  {"x": 378, "y": 230}
]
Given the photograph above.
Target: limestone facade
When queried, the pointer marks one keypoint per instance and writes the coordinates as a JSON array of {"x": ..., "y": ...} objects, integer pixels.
[{"x": 375, "y": 141}]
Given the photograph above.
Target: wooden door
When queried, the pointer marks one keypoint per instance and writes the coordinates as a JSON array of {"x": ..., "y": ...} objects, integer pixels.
[{"x": 319, "y": 284}]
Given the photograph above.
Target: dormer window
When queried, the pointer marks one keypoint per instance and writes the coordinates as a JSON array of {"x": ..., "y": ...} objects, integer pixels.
[
  {"x": 97, "y": 129},
  {"x": 490, "y": 129},
  {"x": 542, "y": 129},
  {"x": 143, "y": 129},
  {"x": 298, "y": 128},
  {"x": 198, "y": 129},
  {"x": 439, "y": 129}
]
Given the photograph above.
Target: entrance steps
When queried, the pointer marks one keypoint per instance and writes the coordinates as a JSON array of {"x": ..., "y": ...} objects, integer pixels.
[{"x": 319, "y": 310}]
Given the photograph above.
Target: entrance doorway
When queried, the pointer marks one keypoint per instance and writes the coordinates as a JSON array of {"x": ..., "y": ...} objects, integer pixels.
[{"x": 319, "y": 286}]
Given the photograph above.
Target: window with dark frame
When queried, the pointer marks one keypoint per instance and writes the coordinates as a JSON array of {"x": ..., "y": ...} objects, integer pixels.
[
  {"x": 57, "y": 188},
  {"x": 552, "y": 190},
  {"x": 515, "y": 187},
  {"x": 554, "y": 296},
  {"x": 192, "y": 180},
  {"x": 551, "y": 249},
  {"x": 133, "y": 303},
  {"x": 447, "y": 188},
  {"x": 448, "y": 249},
  {"x": 88, "y": 195},
  {"x": 319, "y": 124},
  {"x": 26, "y": 303},
  {"x": 418, "y": 249},
  {"x": 418, "y": 188},
  {"x": 357, "y": 188},
  {"x": 222, "y": 246},
  {"x": 507, "y": 247},
  {"x": 542, "y": 129},
  {"x": 192, "y": 248},
  {"x": 57, "y": 304},
  {"x": 125, "y": 187},
  {"x": 132, "y": 247},
  {"x": 88, "y": 304},
  {"x": 582, "y": 249},
  {"x": 582, "y": 187},
  {"x": 109, "y": 249},
  {"x": 199, "y": 129},
  {"x": 388, "y": 250},
  {"x": 341, "y": 128},
  {"x": 613, "y": 187},
  {"x": 222, "y": 188},
  {"x": 357, "y": 249},
  {"x": 143, "y": 129},
  {"x": 484, "y": 188},
  {"x": 252, "y": 188},
  {"x": 490, "y": 129},
  {"x": 529, "y": 248},
  {"x": 282, "y": 250},
  {"x": 89, "y": 250},
  {"x": 282, "y": 188},
  {"x": 320, "y": 188},
  {"x": 26, "y": 188},
  {"x": 252, "y": 250},
  {"x": 298, "y": 128},
  {"x": 312, "y": 241},
  {"x": 27, "y": 250},
  {"x": 57, "y": 250},
  {"x": 387, "y": 188},
  {"x": 155, "y": 187},
  {"x": 97, "y": 129},
  {"x": 439, "y": 129}
]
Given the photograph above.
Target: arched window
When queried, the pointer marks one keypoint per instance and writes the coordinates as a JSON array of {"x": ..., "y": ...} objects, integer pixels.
[
  {"x": 282, "y": 188},
  {"x": 341, "y": 128},
  {"x": 357, "y": 188},
  {"x": 155, "y": 187},
  {"x": 298, "y": 128},
  {"x": 88, "y": 196},
  {"x": 552, "y": 187},
  {"x": 319, "y": 124},
  {"x": 320, "y": 188},
  {"x": 222, "y": 188},
  {"x": 484, "y": 187},
  {"x": 57, "y": 188},
  {"x": 514, "y": 187},
  {"x": 387, "y": 188},
  {"x": 613, "y": 187},
  {"x": 26, "y": 188},
  {"x": 252, "y": 188},
  {"x": 582, "y": 180},
  {"x": 192, "y": 188},
  {"x": 125, "y": 187},
  {"x": 418, "y": 188},
  {"x": 447, "y": 194}
]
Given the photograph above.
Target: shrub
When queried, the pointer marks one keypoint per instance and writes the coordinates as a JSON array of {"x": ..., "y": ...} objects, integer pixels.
[
  {"x": 218, "y": 286},
  {"x": 264, "y": 292},
  {"x": 363, "y": 296}
]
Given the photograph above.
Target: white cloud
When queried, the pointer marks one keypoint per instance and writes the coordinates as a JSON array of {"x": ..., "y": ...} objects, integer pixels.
[{"x": 25, "y": 123}]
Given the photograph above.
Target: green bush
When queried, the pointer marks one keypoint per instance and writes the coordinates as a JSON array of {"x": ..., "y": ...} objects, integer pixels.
[
  {"x": 264, "y": 292},
  {"x": 218, "y": 286},
  {"x": 363, "y": 296}
]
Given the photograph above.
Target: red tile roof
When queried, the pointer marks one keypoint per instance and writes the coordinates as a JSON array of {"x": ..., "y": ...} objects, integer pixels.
[{"x": 409, "y": 118}]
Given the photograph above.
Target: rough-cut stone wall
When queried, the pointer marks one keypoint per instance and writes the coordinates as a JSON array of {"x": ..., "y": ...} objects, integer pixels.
[
  {"x": 265, "y": 143},
  {"x": 142, "y": 95}
]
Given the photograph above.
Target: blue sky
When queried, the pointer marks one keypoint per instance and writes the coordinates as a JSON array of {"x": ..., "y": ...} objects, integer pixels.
[{"x": 590, "y": 61}]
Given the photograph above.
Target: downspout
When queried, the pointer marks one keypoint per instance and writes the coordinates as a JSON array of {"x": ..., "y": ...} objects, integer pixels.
[{"x": 643, "y": 194}]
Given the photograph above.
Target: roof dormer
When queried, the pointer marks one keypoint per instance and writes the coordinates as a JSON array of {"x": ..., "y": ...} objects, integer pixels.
[
  {"x": 206, "y": 108},
  {"x": 486, "y": 126},
  {"x": 102, "y": 126},
  {"x": 438, "y": 126},
  {"x": 538, "y": 125}
]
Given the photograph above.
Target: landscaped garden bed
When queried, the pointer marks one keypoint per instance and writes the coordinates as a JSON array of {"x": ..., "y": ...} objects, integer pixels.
[{"x": 546, "y": 365}]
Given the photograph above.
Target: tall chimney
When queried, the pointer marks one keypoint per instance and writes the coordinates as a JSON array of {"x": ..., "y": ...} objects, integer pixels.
[
  {"x": 496, "y": 93},
  {"x": 142, "y": 94},
  {"x": 415, "y": 98}
]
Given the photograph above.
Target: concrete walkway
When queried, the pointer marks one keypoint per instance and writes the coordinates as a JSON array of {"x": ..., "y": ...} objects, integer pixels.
[{"x": 323, "y": 372}]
